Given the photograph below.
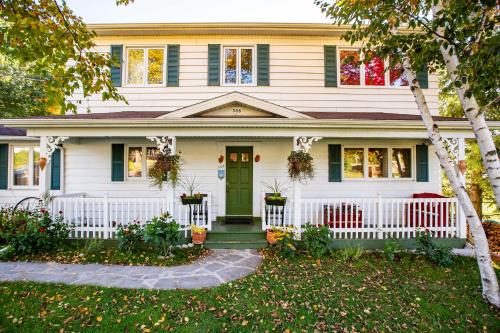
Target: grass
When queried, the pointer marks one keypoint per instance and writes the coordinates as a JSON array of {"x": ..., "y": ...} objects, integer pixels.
[
  {"x": 296, "y": 295},
  {"x": 79, "y": 253}
]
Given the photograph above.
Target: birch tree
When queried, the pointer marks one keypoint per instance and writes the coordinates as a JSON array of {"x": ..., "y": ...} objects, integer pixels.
[{"x": 488, "y": 276}]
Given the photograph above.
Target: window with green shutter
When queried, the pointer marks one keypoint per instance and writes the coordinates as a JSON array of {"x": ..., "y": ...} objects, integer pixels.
[
  {"x": 173, "y": 57},
  {"x": 55, "y": 170},
  {"x": 118, "y": 162},
  {"x": 4, "y": 166},
  {"x": 263, "y": 64},
  {"x": 330, "y": 66},
  {"x": 422, "y": 163},
  {"x": 334, "y": 163},
  {"x": 116, "y": 67},
  {"x": 214, "y": 64}
]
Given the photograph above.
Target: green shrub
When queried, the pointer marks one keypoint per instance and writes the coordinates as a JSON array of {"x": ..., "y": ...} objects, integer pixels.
[
  {"x": 32, "y": 231},
  {"x": 350, "y": 254},
  {"x": 287, "y": 245},
  {"x": 438, "y": 255},
  {"x": 130, "y": 236},
  {"x": 391, "y": 247},
  {"x": 317, "y": 240},
  {"x": 93, "y": 247},
  {"x": 163, "y": 233}
]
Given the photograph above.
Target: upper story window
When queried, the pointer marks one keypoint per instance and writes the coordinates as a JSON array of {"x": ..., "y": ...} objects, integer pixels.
[
  {"x": 239, "y": 64},
  {"x": 145, "y": 66},
  {"x": 372, "y": 73},
  {"x": 25, "y": 166}
]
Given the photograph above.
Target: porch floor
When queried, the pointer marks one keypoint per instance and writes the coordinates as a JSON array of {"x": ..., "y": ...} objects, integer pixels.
[{"x": 236, "y": 236}]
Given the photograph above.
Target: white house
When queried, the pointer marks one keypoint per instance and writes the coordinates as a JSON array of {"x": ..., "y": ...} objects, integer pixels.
[{"x": 233, "y": 100}]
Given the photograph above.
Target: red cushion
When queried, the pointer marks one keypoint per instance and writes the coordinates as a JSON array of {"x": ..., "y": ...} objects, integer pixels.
[{"x": 427, "y": 195}]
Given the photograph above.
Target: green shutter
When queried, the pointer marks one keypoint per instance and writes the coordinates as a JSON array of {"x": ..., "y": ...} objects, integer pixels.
[
  {"x": 173, "y": 57},
  {"x": 4, "y": 166},
  {"x": 422, "y": 163},
  {"x": 263, "y": 64},
  {"x": 214, "y": 64},
  {"x": 118, "y": 162},
  {"x": 116, "y": 67},
  {"x": 423, "y": 79},
  {"x": 55, "y": 170},
  {"x": 330, "y": 66},
  {"x": 334, "y": 163}
]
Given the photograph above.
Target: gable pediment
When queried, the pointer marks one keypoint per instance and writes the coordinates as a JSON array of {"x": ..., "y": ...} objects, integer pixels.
[{"x": 235, "y": 105}]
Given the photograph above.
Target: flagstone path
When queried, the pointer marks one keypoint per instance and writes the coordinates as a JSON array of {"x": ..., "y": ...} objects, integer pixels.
[{"x": 219, "y": 267}]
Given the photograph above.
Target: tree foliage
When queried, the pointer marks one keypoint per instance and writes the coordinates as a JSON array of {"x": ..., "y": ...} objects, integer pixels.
[{"x": 54, "y": 48}]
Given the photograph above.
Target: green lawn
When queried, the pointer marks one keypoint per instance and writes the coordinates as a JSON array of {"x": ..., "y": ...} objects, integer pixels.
[{"x": 298, "y": 295}]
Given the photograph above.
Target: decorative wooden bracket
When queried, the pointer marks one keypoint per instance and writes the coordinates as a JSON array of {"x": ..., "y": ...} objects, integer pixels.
[
  {"x": 54, "y": 143},
  {"x": 303, "y": 143},
  {"x": 166, "y": 144}
]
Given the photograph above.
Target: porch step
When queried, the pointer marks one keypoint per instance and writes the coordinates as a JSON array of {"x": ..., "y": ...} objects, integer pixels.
[
  {"x": 236, "y": 244},
  {"x": 218, "y": 236}
]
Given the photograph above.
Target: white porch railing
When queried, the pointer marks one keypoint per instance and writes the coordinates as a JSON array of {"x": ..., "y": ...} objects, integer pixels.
[
  {"x": 101, "y": 217},
  {"x": 373, "y": 218}
]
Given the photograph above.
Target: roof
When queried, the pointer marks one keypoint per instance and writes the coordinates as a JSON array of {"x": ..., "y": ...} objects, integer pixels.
[
  {"x": 7, "y": 131},
  {"x": 108, "y": 115}
]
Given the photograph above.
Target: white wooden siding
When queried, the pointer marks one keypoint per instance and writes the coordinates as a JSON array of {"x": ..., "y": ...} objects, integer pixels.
[{"x": 296, "y": 79}]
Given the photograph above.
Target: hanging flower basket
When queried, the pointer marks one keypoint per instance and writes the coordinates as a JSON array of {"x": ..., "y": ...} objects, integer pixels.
[
  {"x": 166, "y": 168},
  {"x": 300, "y": 166}
]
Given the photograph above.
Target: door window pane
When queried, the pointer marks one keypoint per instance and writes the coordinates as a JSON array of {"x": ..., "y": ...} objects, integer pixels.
[
  {"x": 397, "y": 77},
  {"x": 155, "y": 66},
  {"x": 377, "y": 163},
  {"x": 135, "y": 162},
  {"x": 135, "y": 67},
  {"x": 375, "y": 72},
  {"x": 246, "y": 66},
  {"x": 230, "y": 66},
  {"x": 401, "y": 163},
  {"x": 36, "y": 166},
  {"x": 349, "y": 68},
  {"x": 21, "y": 166},
  {"x": 245, "y": 157},
  {"x": 151, "y": 156},
  {"x": 233, "y": 157},
  {"x": 353, "y": 163}
]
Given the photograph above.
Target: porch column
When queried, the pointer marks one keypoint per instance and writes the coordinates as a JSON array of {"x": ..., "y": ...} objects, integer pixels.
[{"x": 462, "y": 167}]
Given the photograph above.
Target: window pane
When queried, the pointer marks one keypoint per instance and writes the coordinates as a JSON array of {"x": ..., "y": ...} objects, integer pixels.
[
  {"x": 21, "y": 166},
  {"x": 155, "y": 66},
  {"x": 230, "y": 66},
  {"x": 135, "y": 162},
  {"x": 349, "y": 69},
  {"x": 396, "y": 76},
  {"x": 151, "y": 156},
  {"x": 374, "y": 72},
  {"x": 233, "y": 157},
  {"x": 377, "y": 163},
  {"x": 401, "y": 163},
  {"x": 246, "y": 66},
  {"x": 36, "y": 166},
  {"x": 245, "y": 157},
  {"x": 353, "y": 163},
  {"x": 135, "y": 67}
]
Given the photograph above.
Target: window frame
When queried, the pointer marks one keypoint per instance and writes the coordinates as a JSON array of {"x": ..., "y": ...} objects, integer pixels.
[
  {"x": 31, "y": 167},
  {"x": 144, "y": 167},
  {"x": 146, "y": 62},
  {"x": 389, "y": 161},
  {"x": 238, "y": 65},
  {"x": 362, "y": 73}
]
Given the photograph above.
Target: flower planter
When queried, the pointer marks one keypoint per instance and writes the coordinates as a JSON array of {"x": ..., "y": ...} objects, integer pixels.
[
  {"x": 276, "y": 202},
  {"x": 199, "y": 238},
  {"x": 271, "y": 237},
  {"x": 192, "y": 200}
]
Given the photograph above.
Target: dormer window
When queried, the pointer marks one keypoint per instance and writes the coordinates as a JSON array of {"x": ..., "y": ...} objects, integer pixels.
[
  {"x": 238, "y": 66},
  {"x": 145, "y": 66}
]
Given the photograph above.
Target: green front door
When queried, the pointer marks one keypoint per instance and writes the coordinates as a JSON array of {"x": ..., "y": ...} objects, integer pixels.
[{"x": 239, "y": 180}]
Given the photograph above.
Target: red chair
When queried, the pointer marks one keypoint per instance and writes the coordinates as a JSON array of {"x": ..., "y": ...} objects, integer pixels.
[
  {"x": 428, "y": 215},
  {"x": 347, "y": 216}
]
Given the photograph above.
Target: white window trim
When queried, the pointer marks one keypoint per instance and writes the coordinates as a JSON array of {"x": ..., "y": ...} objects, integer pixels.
[
  {"x": 389, "y": 171},
  {"x": 145, "y": 82},
  {"x": 31, "y": 167},
  {"x": 144, "y": 162},
  {"x": 362, "y": 73},
  {"x": 238, "y": 66}
]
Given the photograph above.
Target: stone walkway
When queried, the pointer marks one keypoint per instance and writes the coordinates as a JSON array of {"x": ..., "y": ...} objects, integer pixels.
[{"x": 220, "y": 267}]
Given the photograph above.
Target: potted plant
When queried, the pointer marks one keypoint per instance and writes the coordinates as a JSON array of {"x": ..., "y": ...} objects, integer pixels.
[
  {"x": 274, "y": 198},
  {"x": 166, "y": 168},
  {"x": 275, "y": 234},
  {"x": 198, "y": 234},
  {"x": 191, "y": 196},
  {"x": 300, "y": 166}
]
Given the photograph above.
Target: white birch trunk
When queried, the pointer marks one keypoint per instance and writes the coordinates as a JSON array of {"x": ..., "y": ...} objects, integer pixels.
[
  {"x": 475, "y": 116},
  {"x": 488, "y": 277}
]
